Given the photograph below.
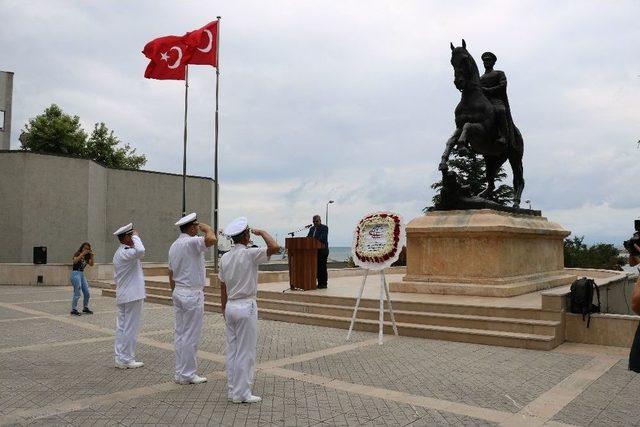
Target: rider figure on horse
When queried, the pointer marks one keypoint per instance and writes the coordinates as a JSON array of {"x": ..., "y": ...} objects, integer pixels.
[{"x": 494, "y": 86}]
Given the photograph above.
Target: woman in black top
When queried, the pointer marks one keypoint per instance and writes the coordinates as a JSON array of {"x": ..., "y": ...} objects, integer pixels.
[{"x": 81, "y": 258}]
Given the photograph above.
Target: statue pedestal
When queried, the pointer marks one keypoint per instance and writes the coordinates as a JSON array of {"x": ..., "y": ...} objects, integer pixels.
[{"x": 483, "y": 252}]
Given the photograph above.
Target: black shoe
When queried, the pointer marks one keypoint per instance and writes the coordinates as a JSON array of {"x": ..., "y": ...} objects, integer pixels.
[
  {"x": 75, "y": 312},
  {"x": 86, "y": 310},
  {"x": 322, "y": 286}
]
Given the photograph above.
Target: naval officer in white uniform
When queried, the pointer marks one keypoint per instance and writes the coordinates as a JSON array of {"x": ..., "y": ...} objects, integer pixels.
[
  {"x": 187, "y": 280},
  {"x": 239, "y": 288},
  {"x": 130, "y": 294}
]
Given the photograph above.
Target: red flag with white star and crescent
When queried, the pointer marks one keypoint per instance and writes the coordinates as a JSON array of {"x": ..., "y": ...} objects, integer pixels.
[
  {"x": 205, "y": 44},
  {"x": 168, "y": 56}
]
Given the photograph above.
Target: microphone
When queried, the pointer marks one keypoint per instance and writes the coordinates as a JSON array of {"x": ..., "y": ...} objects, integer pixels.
[{"x": 303, "y": 228}]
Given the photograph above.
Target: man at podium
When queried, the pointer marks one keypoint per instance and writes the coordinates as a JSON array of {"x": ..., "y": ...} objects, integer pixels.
[{"x": 320, "y": 232}]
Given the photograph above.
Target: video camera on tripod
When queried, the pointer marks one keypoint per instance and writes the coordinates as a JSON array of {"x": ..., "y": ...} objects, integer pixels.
[{"x": 630, "y": 245}]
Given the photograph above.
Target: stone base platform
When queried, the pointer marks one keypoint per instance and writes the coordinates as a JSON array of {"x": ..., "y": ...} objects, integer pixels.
[
  {"x": 511, "y": 286},
  {"x": 483, "y": 253}
]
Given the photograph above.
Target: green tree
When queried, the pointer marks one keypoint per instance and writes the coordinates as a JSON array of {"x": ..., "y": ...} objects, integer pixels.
[
  {"x": 601, "y": 255},
  {"x": 102, "y": 146},
  {"x": 55, "y": 132},
  {"x": 471, "y": 171}
]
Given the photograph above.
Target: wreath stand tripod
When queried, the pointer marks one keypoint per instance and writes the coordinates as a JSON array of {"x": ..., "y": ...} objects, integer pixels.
[{"x": 384, "y": 291}]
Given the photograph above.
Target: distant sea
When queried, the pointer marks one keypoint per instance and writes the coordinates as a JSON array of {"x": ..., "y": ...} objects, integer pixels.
[
  {"x": 339, "y": 253},
  {"x": 336, "y": 253}
]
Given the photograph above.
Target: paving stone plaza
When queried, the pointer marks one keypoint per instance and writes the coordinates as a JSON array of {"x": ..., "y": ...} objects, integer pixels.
[{"x": 59, "y": 370}]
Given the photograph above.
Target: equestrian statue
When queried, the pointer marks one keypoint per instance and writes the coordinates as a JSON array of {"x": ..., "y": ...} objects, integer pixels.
[{"x": 484, "y": 124}]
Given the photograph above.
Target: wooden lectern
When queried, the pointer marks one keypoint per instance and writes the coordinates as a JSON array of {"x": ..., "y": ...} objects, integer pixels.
[{"x": 303, "y": 261}]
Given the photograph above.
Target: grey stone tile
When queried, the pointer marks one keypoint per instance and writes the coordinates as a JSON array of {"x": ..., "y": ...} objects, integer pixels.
[
  {"x": 153, "y": 319},
  {"x": 7, "y": 313},
  {"x": 28, "y": 295},
  {"x": 35, "y": 379},
  {"x": 489, "y": 377},
  {"x": 96, "y": 303},
  {"x": 611, "y": 400},
  {"x": 276, "y": 340},
  {"x": 36, "y": 294},
  {"x": 286, "y": 402},
  {"x": 40, "y": 331}
]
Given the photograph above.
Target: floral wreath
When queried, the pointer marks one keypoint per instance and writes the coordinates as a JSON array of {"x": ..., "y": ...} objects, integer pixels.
[{"x": 386, "y": 255}]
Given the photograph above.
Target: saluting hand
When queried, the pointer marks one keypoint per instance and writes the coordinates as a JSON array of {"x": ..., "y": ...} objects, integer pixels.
[{"x": 203, "y": 227}]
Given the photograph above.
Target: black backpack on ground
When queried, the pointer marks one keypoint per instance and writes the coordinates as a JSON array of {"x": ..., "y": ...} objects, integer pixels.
[{"x": 581, "y": 298}]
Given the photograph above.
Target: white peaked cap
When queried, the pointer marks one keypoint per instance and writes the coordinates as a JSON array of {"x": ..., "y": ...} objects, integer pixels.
[
  {"x": 236, "y": 226},
  {"x": 125, "y": 229},
  {"x": 187, "y": 219}
]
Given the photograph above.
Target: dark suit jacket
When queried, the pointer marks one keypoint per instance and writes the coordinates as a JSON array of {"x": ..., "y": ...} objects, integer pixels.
[{"x": 321, "y": 232}]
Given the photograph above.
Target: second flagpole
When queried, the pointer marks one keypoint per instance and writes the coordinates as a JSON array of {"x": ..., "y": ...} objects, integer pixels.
[
  {"x": 184, "y": 152},
  {"x": 215, "y": 167}
]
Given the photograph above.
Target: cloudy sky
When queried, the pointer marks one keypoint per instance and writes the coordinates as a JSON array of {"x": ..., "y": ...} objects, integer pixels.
[{"x": 349, "y": 101}]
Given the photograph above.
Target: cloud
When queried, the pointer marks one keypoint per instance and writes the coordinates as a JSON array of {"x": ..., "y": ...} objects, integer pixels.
[{"x": 347, "y": 101}]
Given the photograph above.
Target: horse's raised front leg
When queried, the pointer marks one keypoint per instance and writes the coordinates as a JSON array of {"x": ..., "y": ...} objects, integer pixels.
[
  {"x": 451, "y": 142},
  {"x": 469, "y": 131}
]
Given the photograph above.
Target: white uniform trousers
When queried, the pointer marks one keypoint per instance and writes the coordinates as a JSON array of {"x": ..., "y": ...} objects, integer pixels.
[
  {"x": 241, "y": 317},
  {"x": 188, "y": 307},
  {"x": 127, "y": 327}
]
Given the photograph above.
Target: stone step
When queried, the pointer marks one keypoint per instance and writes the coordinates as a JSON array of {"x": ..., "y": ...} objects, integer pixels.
[
  {"x": 539, "y": 327},
  {"x": 417, "y": 306},
  {"x": 544, "y": 327},
  {"x": 488, "y": 330},
  {"x": 445, "y": 333},
  {"x": 155, "y": 271},
  {"x": 161, "y": 285}
]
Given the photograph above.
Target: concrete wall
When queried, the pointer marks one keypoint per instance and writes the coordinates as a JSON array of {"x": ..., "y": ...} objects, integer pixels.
[
  {"x": 604, "y": 329},
  {"x": 11, "y": 184},
  {"x": 615, "y": 298},
  {"x": 153, "y": 202},
  {"x": 6, "y": 95},
  {"x": 60, "y": 202},
  {"x": 35, "y": 275},
  {"x": 614, "y": 326},
  {"x": 54, "y": 214}
]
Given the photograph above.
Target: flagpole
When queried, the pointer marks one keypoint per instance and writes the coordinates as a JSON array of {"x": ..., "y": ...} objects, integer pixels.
[
  {"x": 184, "y": 152},
  {"x": 215, "y": 167}
]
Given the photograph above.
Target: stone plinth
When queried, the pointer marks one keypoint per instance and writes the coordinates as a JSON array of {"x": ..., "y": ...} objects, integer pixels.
[{"x": 484, "y": 253}]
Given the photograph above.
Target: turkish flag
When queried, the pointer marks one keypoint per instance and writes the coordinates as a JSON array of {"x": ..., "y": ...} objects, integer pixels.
[
  {"x": 169, "y": 56},
  {"x": 205, "y": 44}
]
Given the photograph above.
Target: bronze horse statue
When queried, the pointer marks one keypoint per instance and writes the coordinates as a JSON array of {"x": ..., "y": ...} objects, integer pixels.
[{"x": 477, "y": 127}]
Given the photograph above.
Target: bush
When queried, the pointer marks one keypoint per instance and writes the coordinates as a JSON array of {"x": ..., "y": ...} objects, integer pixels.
[
  {"x": 402, "y": 259},
  {"x": 350, "y": 262},
  {"x": 601, "y": 255},
  {"x": 55, "y": 132}
]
